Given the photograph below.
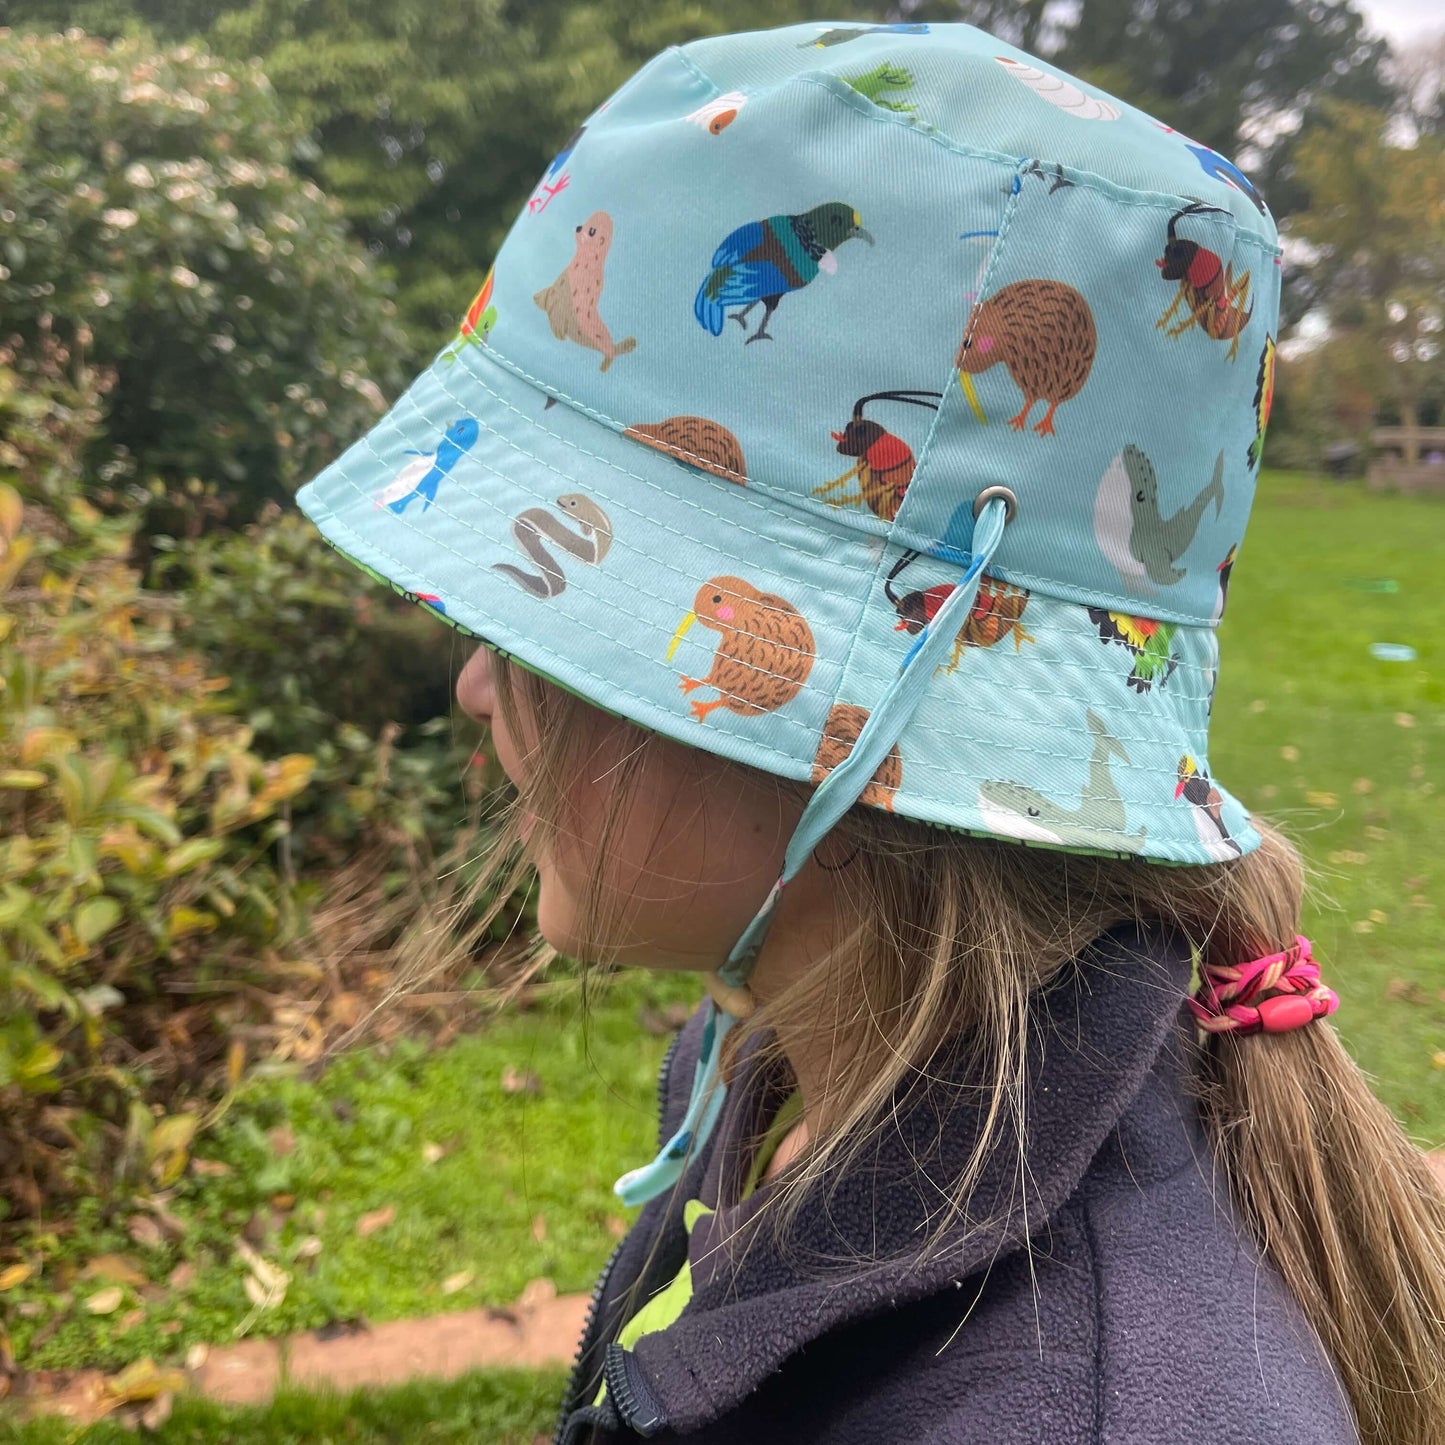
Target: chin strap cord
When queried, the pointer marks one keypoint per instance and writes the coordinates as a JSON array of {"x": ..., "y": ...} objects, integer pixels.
[{"x": 830, "y": 800}]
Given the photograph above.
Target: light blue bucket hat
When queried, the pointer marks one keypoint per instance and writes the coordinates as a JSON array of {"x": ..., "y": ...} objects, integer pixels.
[{"x": 875, "y": 405}]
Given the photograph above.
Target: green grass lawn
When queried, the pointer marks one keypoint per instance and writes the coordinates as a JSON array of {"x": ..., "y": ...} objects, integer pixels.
[
  {"x": 1341, "y": 749},
  {"x": 1345, "y": 752},
  {"x": 501, "y": 1407}
]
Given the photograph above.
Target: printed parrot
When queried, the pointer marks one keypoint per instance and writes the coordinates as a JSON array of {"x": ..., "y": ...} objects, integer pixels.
[
  {"x": 1148, "y": 640},
  {"x": 764, "y": 260}
]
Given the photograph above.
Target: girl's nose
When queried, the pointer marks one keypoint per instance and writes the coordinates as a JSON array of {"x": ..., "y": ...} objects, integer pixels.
[{"x": 476, "y": 689}]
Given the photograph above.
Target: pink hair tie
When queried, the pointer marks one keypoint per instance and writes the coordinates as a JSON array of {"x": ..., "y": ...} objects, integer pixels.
[{"x": 1228, "y": 1000}]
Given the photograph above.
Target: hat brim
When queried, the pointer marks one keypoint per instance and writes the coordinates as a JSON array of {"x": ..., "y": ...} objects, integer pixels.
[{"x": 581, "y": 550}]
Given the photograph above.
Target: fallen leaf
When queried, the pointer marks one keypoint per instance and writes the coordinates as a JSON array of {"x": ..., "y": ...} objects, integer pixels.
[
  {"x": 1348, "y": 855},
  {"x": 14, "y": 1274},
  {"x": 1269, "y": 791},
  {"x": 431, "y": 1153},
  {"x": 197, "y": 1356},
  {"x": 1363, "y": 925},
  {"x": 1404, "y": 719},
  {"x": 1438, "y": 1058},
  {"x": 458, "y": 1281},
  {"x": 1258, "y": 705},
  {"x": 536, "y": 1292},
  {"x": 346, "y": 1009},
  {"x": 283, "y": 1202},
  {"x": 182, "y": 1275},
  {"x": 515, "y": 1082},
  {"x": 158, "y": 1411},
  {"x": 616, "y": 1227},
  {"x": 210, "y": 1168},
  {"x": 114, "y": 1269},
  {"x": 130, "y": 1319},
  {"x": 309, "y": 1247},
  {"x": 539, "y": 1228},
  {"x": 369, "y": 1223},
  {"x": 1376, "y": 916},
  {"x": 1289, "y": 753},
  {"x": 1318, "y": 798},
  {"x": 1362, "y": 786},
  {"x": 143, "y": 1381},
  {"x": 144, "y": 1231},
  {"x": 1374, "y": 834},
  {"x": 170, "y": 1327},
  {"x": 105, "y": 1301},
  {"x": 282, "y": 1140}
]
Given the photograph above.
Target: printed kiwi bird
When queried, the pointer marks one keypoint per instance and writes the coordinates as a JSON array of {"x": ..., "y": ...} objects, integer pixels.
[
  {"x": 1043, "y": 332},
  {"x": 422, "y": 477},
  {"x": 1150, "y": 641},
  {"x": 765, "y": 655},
  {"x": 765, "y": 260},
  {"x": 840, "y": 734},
  {"x": 1207, "y": 805},
  {"x": 590, "y": 543},
  {"x": 571, "y": 300}
]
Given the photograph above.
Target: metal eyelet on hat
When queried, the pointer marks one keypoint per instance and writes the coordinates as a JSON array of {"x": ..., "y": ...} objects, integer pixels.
[{"x": 1010, "y": 501}]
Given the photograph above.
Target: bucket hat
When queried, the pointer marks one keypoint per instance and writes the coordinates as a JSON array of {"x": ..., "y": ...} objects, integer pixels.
[{"x": 876, "y": 405}]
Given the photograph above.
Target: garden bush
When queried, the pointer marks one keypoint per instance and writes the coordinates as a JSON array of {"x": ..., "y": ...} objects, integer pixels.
[
  {"x": 158, "y": 931},
  {"x": 148, "y": 203}
]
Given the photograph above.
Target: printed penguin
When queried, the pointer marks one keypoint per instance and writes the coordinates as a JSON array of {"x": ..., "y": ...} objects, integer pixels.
[
  {"x": 1207, "y": 805},
  {"x": 571, "y": 300},
  {"x": 765, "y": 260},
  {"x": 420, "y": 478},
  {"x": 1149, "y": 641},
  {"x": 1134, "y": 534}
]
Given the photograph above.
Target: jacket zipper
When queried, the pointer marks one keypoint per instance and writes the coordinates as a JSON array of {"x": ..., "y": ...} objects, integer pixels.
[{"x": 574, "y": 1380}]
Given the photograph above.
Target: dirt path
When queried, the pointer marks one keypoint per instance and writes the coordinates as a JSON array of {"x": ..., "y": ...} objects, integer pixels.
[{"x": 541, "y": 1329}]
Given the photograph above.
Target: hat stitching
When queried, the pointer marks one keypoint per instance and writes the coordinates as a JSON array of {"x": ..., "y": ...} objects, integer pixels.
[
  {"x": 844, "y": 523},
  {"x": 832, "y": 695},
  {"x": 693, "y": 581},
  {"x": 1161, "y": 859},
  {"x": 1161, "y": 201}
]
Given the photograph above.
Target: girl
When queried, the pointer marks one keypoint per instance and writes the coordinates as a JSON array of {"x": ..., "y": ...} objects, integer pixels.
[{"x": 959, "y": 1149}]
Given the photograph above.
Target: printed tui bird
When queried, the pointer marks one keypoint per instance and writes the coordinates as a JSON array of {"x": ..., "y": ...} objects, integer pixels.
[{"x": 764, "y": 260}]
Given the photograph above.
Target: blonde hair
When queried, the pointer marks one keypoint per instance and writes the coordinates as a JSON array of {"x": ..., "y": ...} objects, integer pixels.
[{"x": 955, "y": 933}]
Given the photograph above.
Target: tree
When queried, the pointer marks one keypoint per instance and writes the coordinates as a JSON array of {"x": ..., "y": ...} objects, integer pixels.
[
  {"x": 148, "y": 211},
  {"x": 1375, "y": 223}
]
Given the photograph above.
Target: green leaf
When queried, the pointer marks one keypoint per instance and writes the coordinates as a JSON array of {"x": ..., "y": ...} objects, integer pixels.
[{"x": 95, "y": 918}]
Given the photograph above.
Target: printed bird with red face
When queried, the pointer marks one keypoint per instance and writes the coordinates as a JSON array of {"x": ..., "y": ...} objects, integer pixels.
[
  {"x": 766, "y": 653},
  {"x": 997, "y": 612},
  {"x": 885, "y": 462}
]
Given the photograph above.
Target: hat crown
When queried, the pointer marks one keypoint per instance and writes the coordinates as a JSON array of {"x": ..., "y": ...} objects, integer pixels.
[{"x": 875, "y": 270}]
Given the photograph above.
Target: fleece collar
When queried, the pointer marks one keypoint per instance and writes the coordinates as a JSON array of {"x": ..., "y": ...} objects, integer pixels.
[{"x": 1095, "y": 1033}]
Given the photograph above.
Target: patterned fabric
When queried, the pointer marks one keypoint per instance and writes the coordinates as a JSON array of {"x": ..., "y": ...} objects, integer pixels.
[{"x": 706, "y": 446}]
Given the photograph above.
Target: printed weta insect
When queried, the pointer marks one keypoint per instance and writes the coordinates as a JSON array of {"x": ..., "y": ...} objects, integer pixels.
[
  {"x": 997, "y": 611},
  {"x": 885, "y": 462},
  {"x": 1216, "y": 300}
]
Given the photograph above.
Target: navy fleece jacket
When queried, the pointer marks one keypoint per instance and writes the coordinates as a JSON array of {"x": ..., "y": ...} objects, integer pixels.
[{"x": 1105, "y": 1293}]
